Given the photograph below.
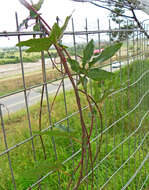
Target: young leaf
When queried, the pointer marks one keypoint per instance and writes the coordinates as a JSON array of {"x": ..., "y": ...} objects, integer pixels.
[
  {"x": 99, "y": 74},
  {"x": 24, "y": 23},
  {"x": 63, "y": 28},
  {"x": 36, "y": 45},
  {"x": 74, "y": 65},
  {"x": 38, "y": 5},
  {"x": 55, "y": 33},
  {"x": 33, "y": 14},
  {"x": 40, "y": 168},
  {"x": 106, "y": 54},
  {"x": 87, "y": 53},
  {"x": 36, "y": 27},
  {"x": 84, "y": 81},
  {"x": 57, "y": 133},
  {"x": 63, "y": 128}
]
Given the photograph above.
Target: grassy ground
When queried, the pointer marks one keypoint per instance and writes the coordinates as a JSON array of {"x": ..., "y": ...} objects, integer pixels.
[
  {"x": 27, "y": 172},
  {"x": 14, "y": 83}
]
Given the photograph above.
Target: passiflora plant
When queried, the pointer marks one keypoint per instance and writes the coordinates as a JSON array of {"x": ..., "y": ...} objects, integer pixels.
[{"x": 86, "y": 69}]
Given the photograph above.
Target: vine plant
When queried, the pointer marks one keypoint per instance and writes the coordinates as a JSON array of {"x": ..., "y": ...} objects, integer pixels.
[{"x": 85, "y": 69}]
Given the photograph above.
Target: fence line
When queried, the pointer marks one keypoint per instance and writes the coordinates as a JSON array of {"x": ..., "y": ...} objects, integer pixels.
[{"x": 133, "y": 95}]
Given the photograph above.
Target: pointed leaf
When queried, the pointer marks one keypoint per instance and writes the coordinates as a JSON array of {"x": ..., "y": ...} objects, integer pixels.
[
  {"x": 87, "y": 53},
  {"x": 63, "y": 28},
  {"x": 63, "y": 128},
  {"x": 36, "y": 27},
  {"x": 99, "y": 74},
  {"x": 36, "y": 45},
  {"x": 38, "y": 5},
  {"x": 74, "y": 65},
  {"x": 56, "y": 133},
  {"x": 33, "y": 14},
  {"x": 62, "y": 46},
  {"x": 84, "y": 81},
  {"x": 40, "y": 168},
  {"x": 55, "y": 33},
  {"x": 106, "y": 54}
]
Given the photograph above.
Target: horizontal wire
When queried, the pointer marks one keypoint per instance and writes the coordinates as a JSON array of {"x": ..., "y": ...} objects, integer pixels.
[
  {"x": 23, "y": 142},
  {"x": 7, "y": 34},
  {"x": 132, "y": 153},
  {"x": 137, "y": 171},
  {"x": 118, "y": 146},
  {"x": 80, "y": 151},
  {"x": 144, "y": 182}
]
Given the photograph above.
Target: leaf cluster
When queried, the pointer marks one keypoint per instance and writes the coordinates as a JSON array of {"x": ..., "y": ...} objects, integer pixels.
[
  {"x": 87, "y": 67},
  {"x": 32, "y": 16},
  {"x": 43, "y": 44}
]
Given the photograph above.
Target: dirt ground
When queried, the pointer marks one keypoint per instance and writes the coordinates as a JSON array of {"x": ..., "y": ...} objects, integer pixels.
[{"x": 10, "y": 70}]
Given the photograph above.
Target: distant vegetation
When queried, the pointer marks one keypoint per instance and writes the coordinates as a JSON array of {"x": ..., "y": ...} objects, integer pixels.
[{"x": 11, "y": 56}]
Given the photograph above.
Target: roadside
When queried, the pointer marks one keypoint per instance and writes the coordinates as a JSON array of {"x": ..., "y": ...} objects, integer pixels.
[{"x": 11, "y": 75}]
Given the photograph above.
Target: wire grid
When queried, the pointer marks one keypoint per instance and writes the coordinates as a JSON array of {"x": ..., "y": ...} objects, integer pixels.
[{"x": 123, "y": 162}]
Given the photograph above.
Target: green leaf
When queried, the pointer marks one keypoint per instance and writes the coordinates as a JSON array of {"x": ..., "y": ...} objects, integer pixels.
[
  {"x": 55, "y": 33},
  {"x": 63, "y": 128},
  {"x": 87, "y": 53},
  {"x": 38, "y": 5},
  {"x": 1, "y": 188},
  {"x": 33, "y": 14},
  {"x": 57, "y": 133},
  {"x": 24, "y": 23},
  {"x": 40, "y": 168},
  {"x": 41, "y": 44},
  {"x": 99, "y": 74},
  {"x": 36, "y": 27},
  {"x": 62, "y": 46},
  {"x": 106, "y": 54},
  {"x": 74, "y": 65},
  {"x": 36, "y": 45},
  {"x": 84, "y": 81},
  {"x": 63, "y": 28}
]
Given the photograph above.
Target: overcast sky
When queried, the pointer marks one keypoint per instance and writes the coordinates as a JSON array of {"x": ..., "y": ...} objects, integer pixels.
[{"x": 51, "y": 9}]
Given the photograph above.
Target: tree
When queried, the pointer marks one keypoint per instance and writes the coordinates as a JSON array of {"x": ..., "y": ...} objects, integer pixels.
[{"x": 122, "y": 10}]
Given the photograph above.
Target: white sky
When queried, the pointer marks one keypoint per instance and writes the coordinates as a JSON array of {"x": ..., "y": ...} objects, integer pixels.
[{"x": 51, "y": 9}]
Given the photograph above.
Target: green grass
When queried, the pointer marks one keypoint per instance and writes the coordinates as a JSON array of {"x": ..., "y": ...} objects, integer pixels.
[{"x": 26, "y": 171}]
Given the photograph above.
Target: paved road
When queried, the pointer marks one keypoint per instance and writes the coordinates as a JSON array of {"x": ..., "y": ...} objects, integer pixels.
[{"x": 16, "y": 102}]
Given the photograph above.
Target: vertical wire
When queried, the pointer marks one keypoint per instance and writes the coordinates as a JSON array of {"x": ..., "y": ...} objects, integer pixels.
[
  {"x": 66, "y": 114},
  {"x": 6, "y": 147},
  {"x": 142, "y": 105},
  {"x": 137, "y": 98},
  {"x": 96, "y": 124},
  {"x": 134, "y": 79},
  {"x": 87, "y": 157},
  {"x": 122, "y": 128},
  {"x": 114, "y": 110},
  {"x": 25, "y": 91},
  {"x": 49, "y": 110},
  {"x": 128, "y": 98}
]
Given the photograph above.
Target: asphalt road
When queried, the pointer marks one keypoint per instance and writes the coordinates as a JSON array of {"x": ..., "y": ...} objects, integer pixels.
[{"x": 16, "y": 102}]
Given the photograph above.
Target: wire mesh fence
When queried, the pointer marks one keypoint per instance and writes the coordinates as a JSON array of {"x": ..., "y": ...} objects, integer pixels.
[{"x": 123, "y": 162}]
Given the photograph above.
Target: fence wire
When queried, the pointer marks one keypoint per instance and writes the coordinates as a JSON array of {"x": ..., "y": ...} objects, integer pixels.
[{"x": 123, "y": 162}]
